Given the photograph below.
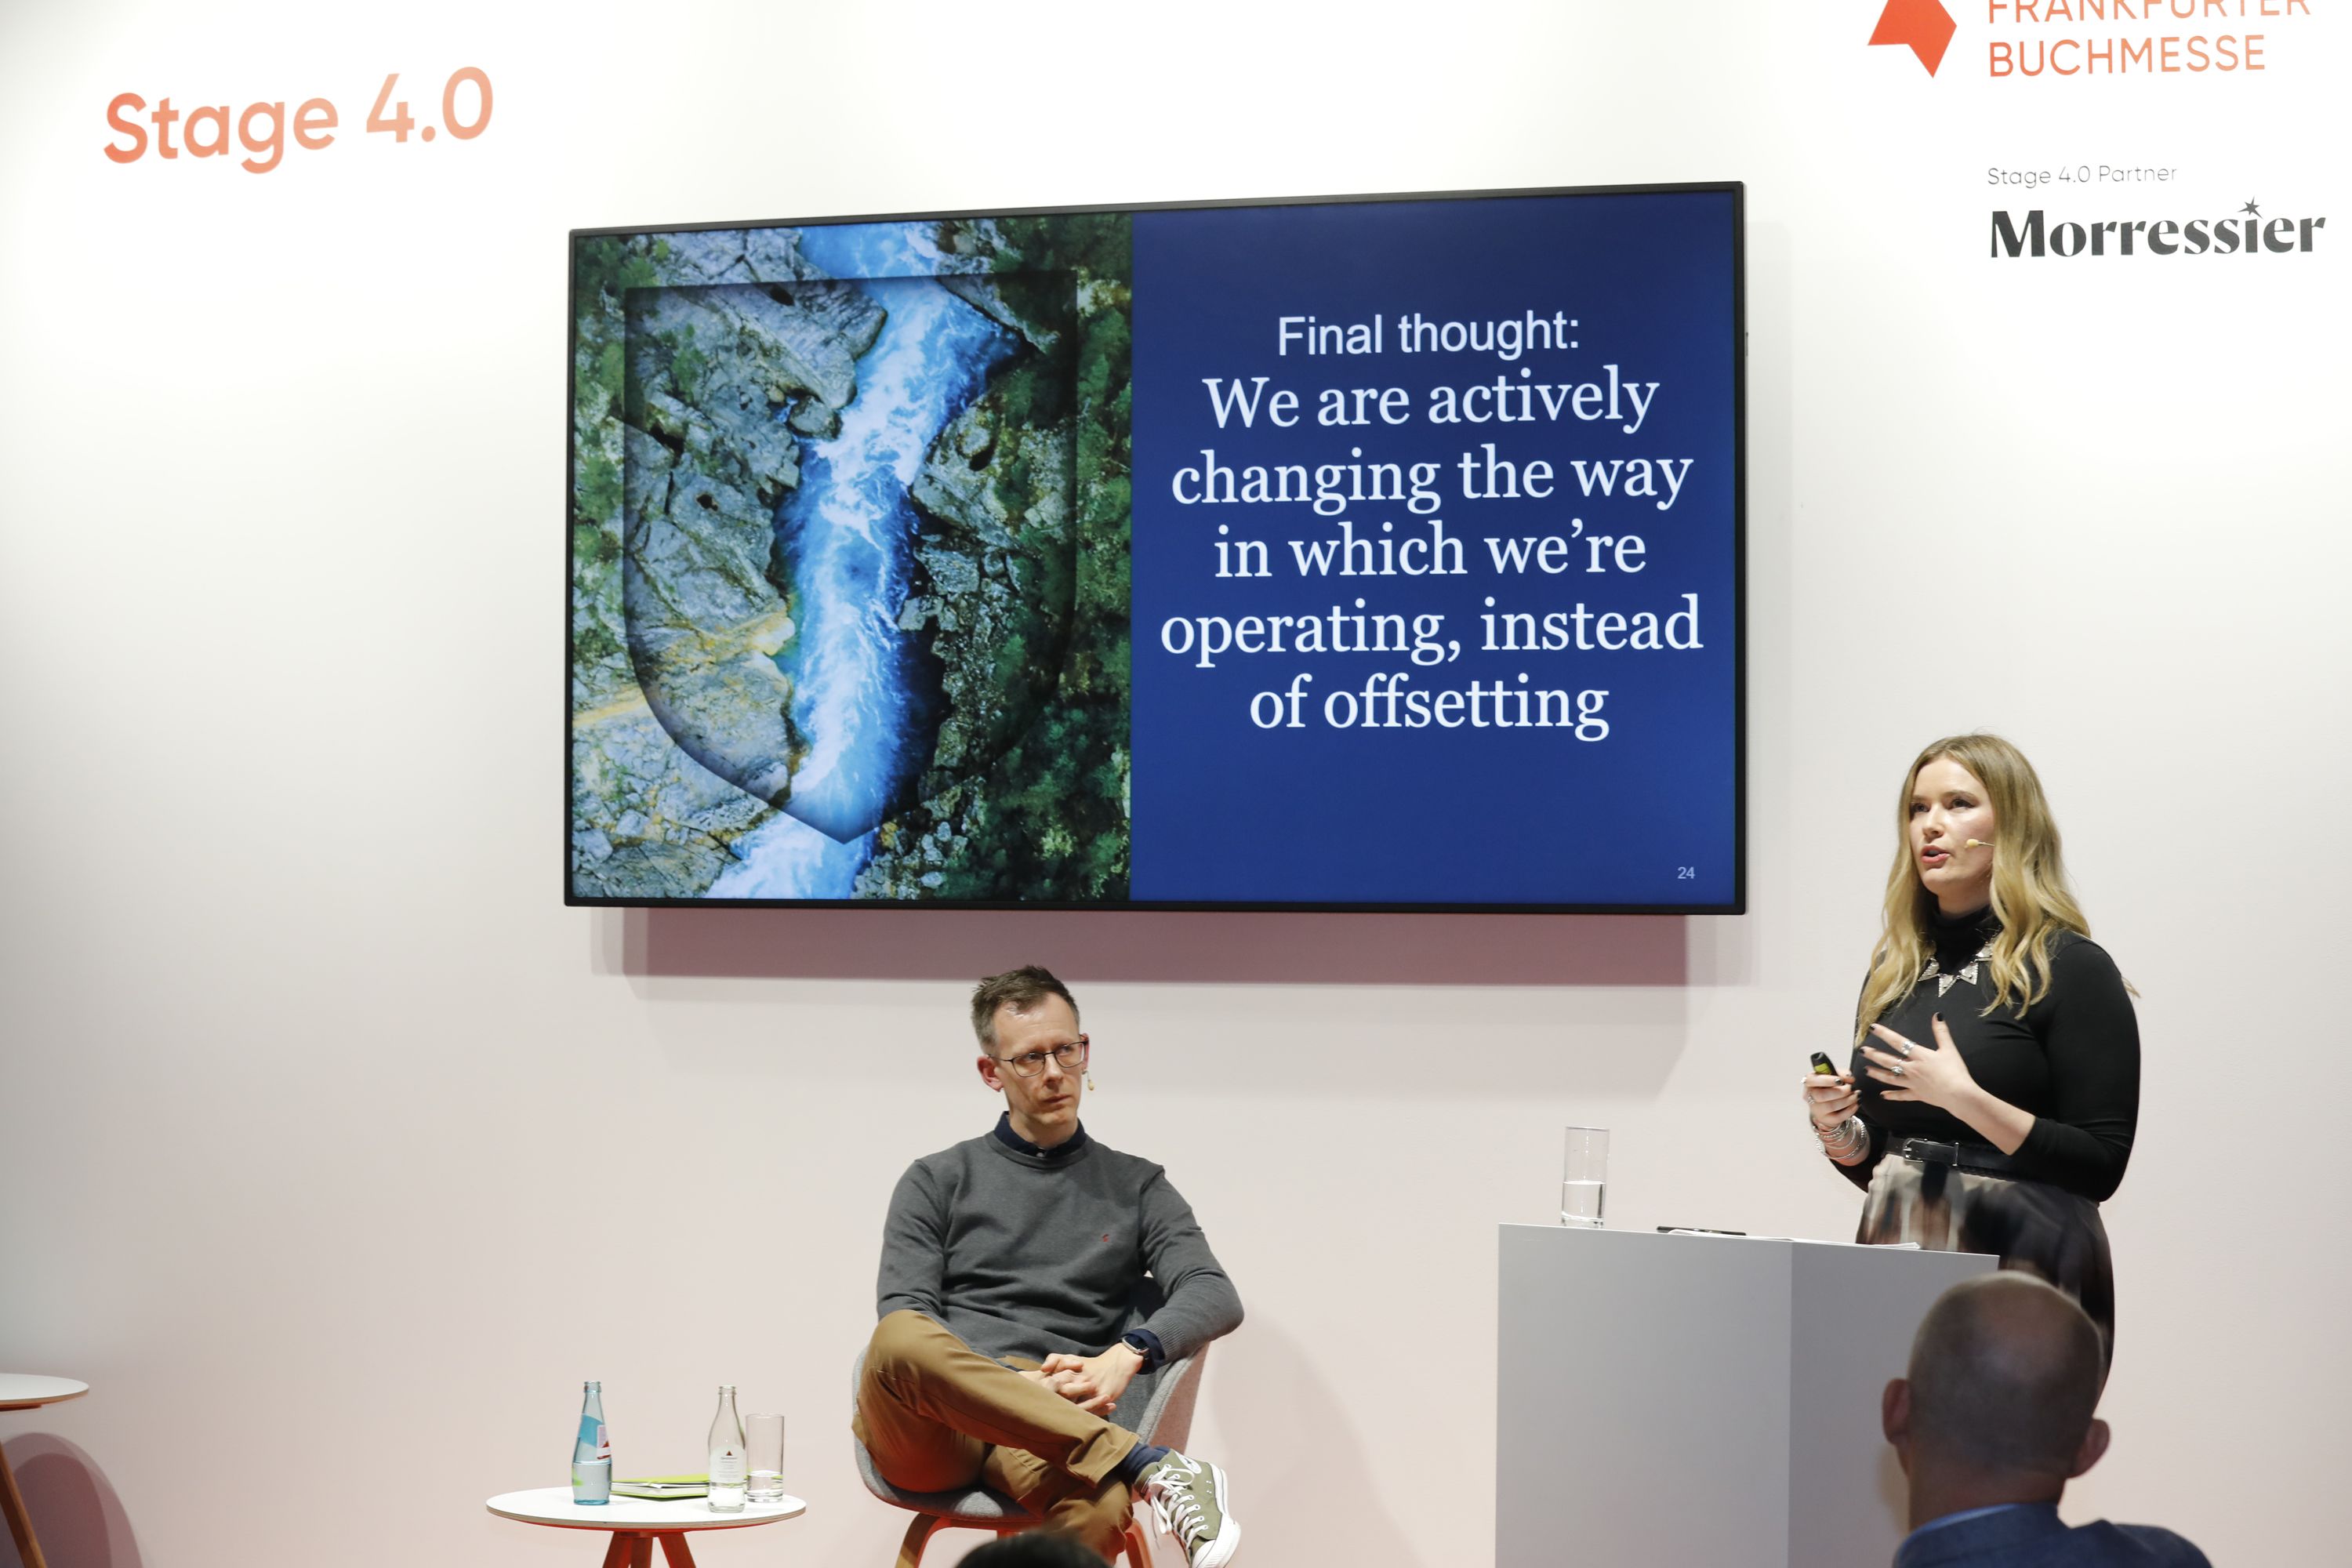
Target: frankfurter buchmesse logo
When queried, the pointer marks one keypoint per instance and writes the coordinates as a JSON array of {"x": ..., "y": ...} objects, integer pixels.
[
  {"x": 1922, "y": 24},
  {"x": 2243, "y": 233}
]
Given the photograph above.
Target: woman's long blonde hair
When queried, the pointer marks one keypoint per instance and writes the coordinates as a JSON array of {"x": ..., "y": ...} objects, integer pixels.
[{"x": 2029, "y": 895}]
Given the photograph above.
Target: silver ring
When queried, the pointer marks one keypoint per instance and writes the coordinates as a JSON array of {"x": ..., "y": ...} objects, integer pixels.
[
  {"x": 1896, "y": 1068},
  {"x": 1904, "y": 1050}
]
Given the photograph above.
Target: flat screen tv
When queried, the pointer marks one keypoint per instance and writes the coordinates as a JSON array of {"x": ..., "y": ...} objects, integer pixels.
[{"x": 1352, "y": 552}]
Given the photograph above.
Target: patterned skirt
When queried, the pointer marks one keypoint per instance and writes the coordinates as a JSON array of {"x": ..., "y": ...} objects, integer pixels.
[{"x": 2030, "y": 1225}]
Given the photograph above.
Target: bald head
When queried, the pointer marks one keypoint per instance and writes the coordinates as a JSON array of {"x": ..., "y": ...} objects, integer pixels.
[{"x": 2005, "y": 1375}]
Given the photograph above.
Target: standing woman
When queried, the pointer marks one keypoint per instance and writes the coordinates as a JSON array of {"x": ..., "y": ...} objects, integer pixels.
[{"x": 1994, "y": 1087}]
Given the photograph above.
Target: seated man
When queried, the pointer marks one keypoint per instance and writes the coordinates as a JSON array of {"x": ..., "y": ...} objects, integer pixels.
[
  {"x": 1993, "y": 1422},
  {"x": 1011, "y": 1264}
]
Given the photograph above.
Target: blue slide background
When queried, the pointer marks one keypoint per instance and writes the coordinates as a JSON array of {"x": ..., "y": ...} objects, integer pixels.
[{"x": 1225, "y": 811}]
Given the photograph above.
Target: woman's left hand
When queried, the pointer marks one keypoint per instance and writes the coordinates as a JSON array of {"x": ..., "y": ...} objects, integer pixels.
[{"x": 1937, "y": 1077}]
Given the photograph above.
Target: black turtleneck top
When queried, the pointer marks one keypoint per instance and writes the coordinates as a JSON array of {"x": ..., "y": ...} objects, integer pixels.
[{"x": 2072, "y": 1060}]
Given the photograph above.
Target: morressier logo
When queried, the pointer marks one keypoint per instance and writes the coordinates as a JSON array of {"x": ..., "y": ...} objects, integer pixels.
[{"x": 2245, "y": 232}]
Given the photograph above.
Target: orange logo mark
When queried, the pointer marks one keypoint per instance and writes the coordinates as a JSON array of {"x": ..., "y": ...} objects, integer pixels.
[{"x": 1924, "y": 24}]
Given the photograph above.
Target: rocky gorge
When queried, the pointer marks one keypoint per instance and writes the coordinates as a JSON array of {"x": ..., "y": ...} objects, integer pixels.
[{"x": 707, "y": 367}]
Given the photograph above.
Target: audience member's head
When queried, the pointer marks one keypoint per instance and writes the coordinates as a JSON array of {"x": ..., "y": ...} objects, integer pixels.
[
  {"x": 2004, "y": 1378},
  {"x": 1034, "y": 1549}
]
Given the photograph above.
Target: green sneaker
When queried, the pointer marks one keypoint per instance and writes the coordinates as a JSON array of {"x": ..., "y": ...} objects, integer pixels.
[{"x": 1188, "y": 1499}]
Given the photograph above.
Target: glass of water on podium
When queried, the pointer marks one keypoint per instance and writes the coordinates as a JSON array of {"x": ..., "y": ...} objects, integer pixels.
[{"x": 1585, "y": 1178}]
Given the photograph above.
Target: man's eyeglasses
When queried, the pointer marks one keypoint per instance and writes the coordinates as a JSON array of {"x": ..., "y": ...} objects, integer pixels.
[{"x": 1029, "y": 1064}]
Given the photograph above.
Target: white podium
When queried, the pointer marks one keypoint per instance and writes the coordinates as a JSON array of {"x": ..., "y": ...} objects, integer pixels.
[{"x": 1701, "y": 1399}]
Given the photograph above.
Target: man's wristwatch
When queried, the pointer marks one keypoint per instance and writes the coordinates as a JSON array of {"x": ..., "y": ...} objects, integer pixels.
[{"x": 1139, "y": 1345}]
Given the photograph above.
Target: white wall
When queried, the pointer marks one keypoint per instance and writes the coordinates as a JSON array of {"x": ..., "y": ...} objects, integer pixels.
[{"x": 308, "y": 1083}]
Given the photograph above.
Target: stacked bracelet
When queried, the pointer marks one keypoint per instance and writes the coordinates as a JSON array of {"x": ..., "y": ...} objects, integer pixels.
[{"x": 1848, "y": 1137}]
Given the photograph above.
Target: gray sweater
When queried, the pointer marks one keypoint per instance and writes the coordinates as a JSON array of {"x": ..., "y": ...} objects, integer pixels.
[{"x": 1022, "y": 1254}]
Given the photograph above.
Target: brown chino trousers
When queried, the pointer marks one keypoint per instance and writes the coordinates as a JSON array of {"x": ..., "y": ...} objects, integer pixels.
[{"x": 938, "y": 1416}]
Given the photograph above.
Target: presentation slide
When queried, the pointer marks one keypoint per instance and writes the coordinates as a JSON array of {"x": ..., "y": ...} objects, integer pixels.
[{"x": 1349, "y": 553}]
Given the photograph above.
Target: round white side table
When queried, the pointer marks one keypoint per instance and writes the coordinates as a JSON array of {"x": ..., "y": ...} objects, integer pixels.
[
  {"x": 637, "y": 1522},
  {"x": 23, "y": 1391}
]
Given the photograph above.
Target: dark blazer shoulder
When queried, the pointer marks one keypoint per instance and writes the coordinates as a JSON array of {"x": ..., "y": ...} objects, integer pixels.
[
  {"x": 2036, "y": 1538},
  {"x": 2140, "y": 1546}
]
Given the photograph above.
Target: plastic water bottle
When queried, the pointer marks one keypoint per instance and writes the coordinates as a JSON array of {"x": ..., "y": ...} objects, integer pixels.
[
  {"x": 729, "y": 1461},
  {"x": 592, "y": 1450}
]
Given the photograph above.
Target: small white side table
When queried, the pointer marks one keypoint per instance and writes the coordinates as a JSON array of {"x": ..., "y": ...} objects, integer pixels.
[
  {"x": 635, "y": 1522},
  {"x": 22, "y": 1390}
]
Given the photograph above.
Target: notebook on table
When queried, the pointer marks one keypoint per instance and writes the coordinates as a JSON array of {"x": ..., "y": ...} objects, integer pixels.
[{"x": 661, "y": 1489}]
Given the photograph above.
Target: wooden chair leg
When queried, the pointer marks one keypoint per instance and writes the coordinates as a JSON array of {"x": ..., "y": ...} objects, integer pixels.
[
  {"x": 1135, "y": 1543},
  {"x": 921, "y": 1530},
  {"x": 674, "y": 1548},
  {"x": 20, "y": 1523}
]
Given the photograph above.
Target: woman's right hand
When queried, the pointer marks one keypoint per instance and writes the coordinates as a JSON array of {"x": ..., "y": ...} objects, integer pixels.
[{"x": 1830, "y": 1100}]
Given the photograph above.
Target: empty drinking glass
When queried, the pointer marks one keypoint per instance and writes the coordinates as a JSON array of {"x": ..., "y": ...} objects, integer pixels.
[
  {"x": 765, "y": 1435},
  {"x": 1585, "y": 1177}
]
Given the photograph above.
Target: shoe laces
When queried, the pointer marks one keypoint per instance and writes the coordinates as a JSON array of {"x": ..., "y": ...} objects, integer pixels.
[{"x": 1175, "y": 1503}]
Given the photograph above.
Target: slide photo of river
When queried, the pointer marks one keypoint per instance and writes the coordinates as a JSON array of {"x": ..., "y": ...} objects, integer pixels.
[{"x": 849, "y": 561}]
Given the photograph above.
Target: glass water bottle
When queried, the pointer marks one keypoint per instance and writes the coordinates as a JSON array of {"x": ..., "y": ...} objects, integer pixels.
[
  {"x": 729, "y": 1467},
  {"x": 591, "y": 1449}
]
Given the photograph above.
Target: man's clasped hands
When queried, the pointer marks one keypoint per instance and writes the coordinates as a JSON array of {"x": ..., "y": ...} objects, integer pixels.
[{"x": 1092, "y": 1382}]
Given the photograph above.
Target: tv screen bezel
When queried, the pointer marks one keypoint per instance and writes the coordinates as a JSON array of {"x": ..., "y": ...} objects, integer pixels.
[{"x": 1735, "y": 905}]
